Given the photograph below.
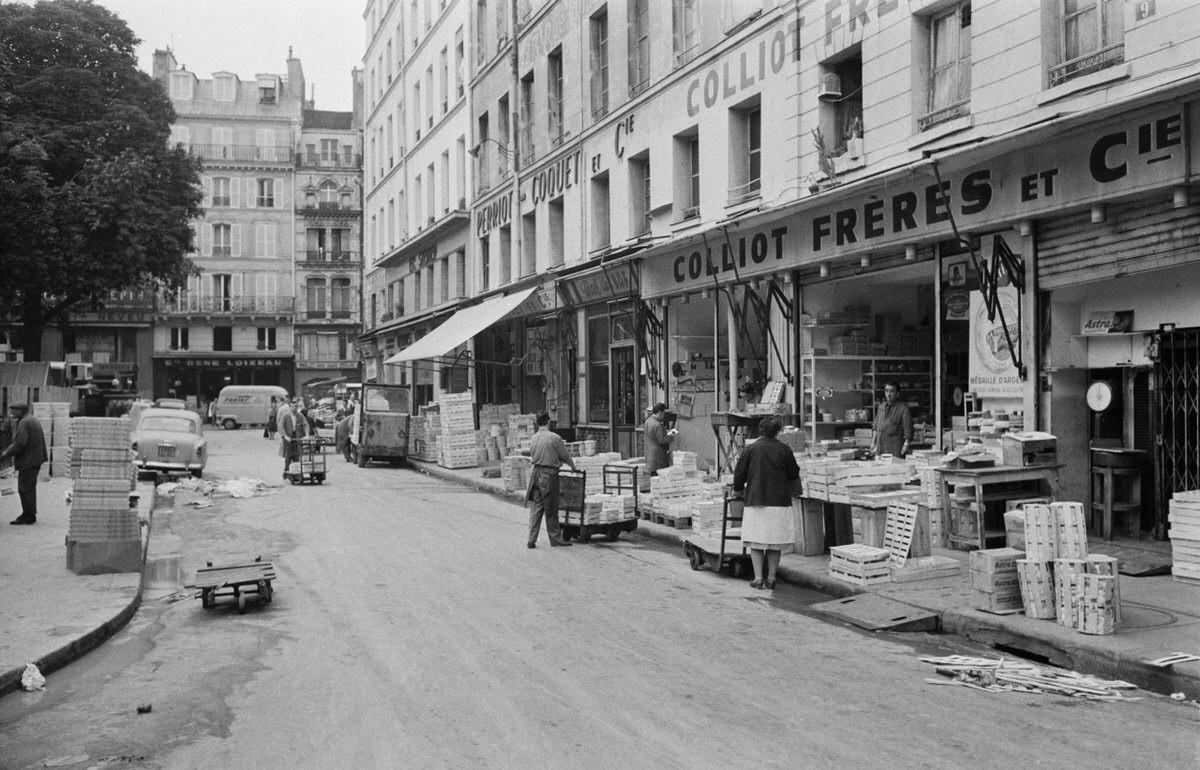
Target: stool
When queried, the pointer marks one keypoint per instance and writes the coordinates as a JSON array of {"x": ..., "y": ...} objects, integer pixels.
[{"x": 1105, "y": 501}]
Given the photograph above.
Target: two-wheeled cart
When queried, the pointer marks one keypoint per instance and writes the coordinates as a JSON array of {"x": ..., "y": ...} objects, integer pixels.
[
  {"x": 721, "y": 550},
  {"x": 236, "y": 581},
  {"x": 579, "y": 523},
  {"x": 307, "y": 463}
]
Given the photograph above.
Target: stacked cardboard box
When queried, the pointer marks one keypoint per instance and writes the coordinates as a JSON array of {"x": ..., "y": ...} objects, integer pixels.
[
  {"x": 55, "y": 419},
  {"x": 514, "y": 471},
  {"x": 594, "y": 468},
  {"x": 521, "y": 428},
  {"x": 994, "y": 578},
  {"x": 457, "y": 441},
  {"x": 103, "y": 533},
  {"x": 1184, "y": 516}
]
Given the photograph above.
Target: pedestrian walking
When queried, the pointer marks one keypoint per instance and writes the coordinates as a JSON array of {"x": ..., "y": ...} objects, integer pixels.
[
  {"x": 547, "y": 451},
  {"x": 658, "y": 439},
  {"x": 28, "y": 450},
  {"x": 763, "y": 476},
  {"x": 893, "y": 424},
  {"x": 341, "y": 435},
  {"x": 272, "y": 424},
  {"x": 212, "y": 412}
]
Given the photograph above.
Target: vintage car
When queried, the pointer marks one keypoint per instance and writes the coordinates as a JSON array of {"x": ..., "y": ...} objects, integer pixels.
[
  {"x": 170, "y": 440},
  {"x": 170, "y": 403}
]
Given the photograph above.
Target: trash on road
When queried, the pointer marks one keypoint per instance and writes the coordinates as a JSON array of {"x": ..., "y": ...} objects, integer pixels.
[
  {"x": 1001, "y": 675},
  {"x": 239, "y": 487},
  {"x": 32, "y": 679}
]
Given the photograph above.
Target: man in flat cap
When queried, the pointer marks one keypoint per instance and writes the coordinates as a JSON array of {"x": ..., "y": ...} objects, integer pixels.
[{"x": 28, "y": 450}]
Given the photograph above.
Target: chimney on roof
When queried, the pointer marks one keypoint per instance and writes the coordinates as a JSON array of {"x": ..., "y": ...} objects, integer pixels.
[
  {"x": 295, "y": 78},
  {"x": 164, "y": 62}
]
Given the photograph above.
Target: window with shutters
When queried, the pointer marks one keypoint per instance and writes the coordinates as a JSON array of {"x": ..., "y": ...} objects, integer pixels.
[
  {"x": 266, "y": 194},
  {"x": 1091, "y": 37},
  {"x": 314, "y": 290},
  {"x": 266, "y": 338},
  {"x": 314, "y": 250},
  {"x": 745, "y": 152},
  {"x": 598, "y": 36},
  {"x": 949, "y": 66},
  {"x": 220, "y": 191},
  {"x": 639, "y": 194},
  {"x": 554, "y": 96},
  {"x": 459, "y": 55},
  {"x": 224, "y": 88},
  {"x": 264, "y": 239},
  {"x": 485, "y": 264},
  {"x": 639, "y": 46},
  {"x": 481, "y": 50},
  {"x": 182, "y": 85},
  {"x": 687, "y": 174},
  {"x": 503, "y": 129},
  {"x": 601, "y": 226},
  {"x": 222, "y": 292},
  {"x": 340, "y": 299},
  {"x": 222, "y": 235},
  {"x": 444, "y": 78},
  {"x": 685, "y": 26},
  {"x": 528, "y": 153}
]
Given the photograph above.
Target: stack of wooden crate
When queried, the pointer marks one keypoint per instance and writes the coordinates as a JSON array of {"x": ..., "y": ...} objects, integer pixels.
[
  {"x": 457, "y": 444},
  {"x": 1184, "y": 517},
  {"x": 103, "y": 532}
]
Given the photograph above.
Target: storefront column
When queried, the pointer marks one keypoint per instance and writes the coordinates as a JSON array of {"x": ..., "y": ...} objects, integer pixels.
[{"x": 732, "y": 331}]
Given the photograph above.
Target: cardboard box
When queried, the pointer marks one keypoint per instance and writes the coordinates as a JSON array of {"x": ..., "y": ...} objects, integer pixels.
[
  {"x": 998, "y": 601},
  {"x": 1027, "y": 449},
  {"x": 995, "y": 582},
  {"x": 993, "y": 560}
]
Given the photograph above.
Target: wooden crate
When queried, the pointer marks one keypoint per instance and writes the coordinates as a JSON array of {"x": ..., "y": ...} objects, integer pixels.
[
  {"x": 1094, "y": 599},
  {"x": 1041, "y": 533},
  {"x": 1071, "y": 525},
  {"x": 1064, "y": 602},
  {"x": 1036, "y": 580}
]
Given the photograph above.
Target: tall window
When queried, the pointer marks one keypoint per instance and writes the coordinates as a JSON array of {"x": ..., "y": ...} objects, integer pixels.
[
  {"x": 639, "y": 46},
  {"x": 220, "y": 191},
  {"x": 503, "y": 129},
  {"x": 266, "y": 194},
  {"x": 745, "y": 152},
  {"x": 179, "y": 338},
  {"x": 458, "y": 63},
  {"x": 328, "y": 195},
  {"x": 222, "y": 338},
  {"x": 480, "y": 32},
  {"x": 264, "y": 239},
  {"x": 599, "y": 61},
  {"x": 224, "y": 88},
  {"x": 340, "y": 297},
  {"x": 266, "y": 338},
  {"x": 485, "y": 263},
  {"x": 639, "y": 194},
  {"x": 1092, "y": 37},
  {"x": 483, "y": 155},
  {"x": 502, "y": 21},
  {"x": 949, "y": 65},
  {"x": 554, "y": 95},
  {"x": 416, "y": 105},
  {"x": 222, "y": 291},
  {"x": 527, "y": 149},
  {"x": 315, "y": 297},
  {"x": 692, "y": 197},
  {"x": 444, "y": 79},
  {"x": 685, "y": 21},
  {"x": 340, "y": 246},
  {"x": 314, "y": 249},
  {"x": 222, "y": 240},
  {"x": 598, "y": 338},
  {"x": 601, "y": 230}
]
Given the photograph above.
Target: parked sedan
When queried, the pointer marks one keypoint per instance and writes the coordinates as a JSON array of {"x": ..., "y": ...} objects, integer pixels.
[{"x": 170, "y": 440}]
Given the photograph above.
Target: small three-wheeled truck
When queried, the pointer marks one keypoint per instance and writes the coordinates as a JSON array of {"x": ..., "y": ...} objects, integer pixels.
[
  {"x": 237, "y": 581},
  {"x": 380, "y": 425},
  {"x": 721, "y": 551}
]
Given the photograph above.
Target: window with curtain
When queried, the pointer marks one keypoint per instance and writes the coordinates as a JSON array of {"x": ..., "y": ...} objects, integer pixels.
[
  {"x": 949, "y": 64},
  {"x": 314, "y": 289},
  {"x": 340, "y": 297}
]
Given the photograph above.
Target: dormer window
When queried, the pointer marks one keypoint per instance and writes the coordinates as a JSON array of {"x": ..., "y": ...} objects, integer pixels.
[
  {"x": 182, "y": 84},
  {"x": 224, "y": 88},
  {"x": 268, "y": 89}
]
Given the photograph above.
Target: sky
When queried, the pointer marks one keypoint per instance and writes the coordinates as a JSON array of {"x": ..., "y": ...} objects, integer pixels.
[{"x": 248, "y": 37}]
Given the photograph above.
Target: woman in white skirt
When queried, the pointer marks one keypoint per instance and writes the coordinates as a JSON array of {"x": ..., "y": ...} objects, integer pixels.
[{"x": 764, "y": 475}]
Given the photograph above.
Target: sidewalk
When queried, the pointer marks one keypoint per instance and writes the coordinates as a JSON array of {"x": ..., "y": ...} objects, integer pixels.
[
  {"x": 51, "y": 616},
  {"x": 1160, "y": 616}
]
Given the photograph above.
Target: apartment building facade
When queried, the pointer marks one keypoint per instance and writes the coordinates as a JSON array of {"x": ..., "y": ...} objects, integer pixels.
[
  {"x": 416, "y": 176},
  {"x": 329, "y": 201},
  {"x": 233, "y": 323}
]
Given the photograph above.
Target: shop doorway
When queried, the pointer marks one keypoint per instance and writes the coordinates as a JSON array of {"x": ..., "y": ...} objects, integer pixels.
[
  {"x": 1177, "y": 454},
  {"x": 623, "y": 365}
]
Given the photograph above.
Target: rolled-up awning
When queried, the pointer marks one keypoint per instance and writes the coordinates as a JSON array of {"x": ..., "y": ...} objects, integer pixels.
[{"x": 461, "y": 326}]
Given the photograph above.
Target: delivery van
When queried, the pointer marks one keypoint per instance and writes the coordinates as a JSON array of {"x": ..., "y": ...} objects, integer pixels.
[{"x": 239, "y": 405}]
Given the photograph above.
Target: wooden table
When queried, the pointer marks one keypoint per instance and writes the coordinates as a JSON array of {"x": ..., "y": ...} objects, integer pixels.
[{"x": 1044, "y": 476}]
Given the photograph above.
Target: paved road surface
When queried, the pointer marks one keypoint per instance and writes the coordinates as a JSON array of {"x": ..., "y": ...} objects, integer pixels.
[{"x": 412, "y": 628}]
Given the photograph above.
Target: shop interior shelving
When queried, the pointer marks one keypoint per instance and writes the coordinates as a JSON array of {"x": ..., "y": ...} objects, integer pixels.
[{"x": 833, "y": 384}]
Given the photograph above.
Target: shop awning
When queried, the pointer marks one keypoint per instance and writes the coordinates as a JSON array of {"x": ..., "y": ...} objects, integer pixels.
[{"x": 461, "y": 326}]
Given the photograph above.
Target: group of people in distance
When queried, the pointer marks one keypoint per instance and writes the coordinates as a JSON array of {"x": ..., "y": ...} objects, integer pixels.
[{"x": 291, "y": 420}]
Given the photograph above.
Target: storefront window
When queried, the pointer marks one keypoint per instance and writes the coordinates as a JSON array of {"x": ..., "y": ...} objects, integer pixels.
[{"x": 598, "y": 390}]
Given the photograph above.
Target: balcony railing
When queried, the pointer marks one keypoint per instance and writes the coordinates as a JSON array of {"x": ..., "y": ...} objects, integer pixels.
[
  {"x": 330, "y": 256},
  {"x": 321, "y": 161},
  {"x": 241, "y": 152},
  {"x": 188, "y": 303},
  {"x": 1088, "y": 63}
]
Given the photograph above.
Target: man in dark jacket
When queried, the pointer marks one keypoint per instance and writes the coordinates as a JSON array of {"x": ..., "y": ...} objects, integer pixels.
[
  {"x": 658, "y": 439},
  {"x": 28, "y": 450}
]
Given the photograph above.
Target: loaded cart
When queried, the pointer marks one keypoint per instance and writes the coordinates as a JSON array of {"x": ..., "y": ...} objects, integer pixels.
[
  {"x": 720, "y": 549},
  {"x": 582, "y": 516},
  {"x": 236, "y": 581},
  {"x": 307, "y": 465}
]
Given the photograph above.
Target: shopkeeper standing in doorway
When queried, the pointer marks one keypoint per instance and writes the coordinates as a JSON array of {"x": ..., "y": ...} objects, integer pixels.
[
  {"x": 893, "y": 424},
  {"x": 658, "y": 439}
]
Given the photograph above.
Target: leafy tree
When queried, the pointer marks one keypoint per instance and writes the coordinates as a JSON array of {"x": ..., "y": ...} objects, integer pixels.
[{"x": 92, "y": 199}]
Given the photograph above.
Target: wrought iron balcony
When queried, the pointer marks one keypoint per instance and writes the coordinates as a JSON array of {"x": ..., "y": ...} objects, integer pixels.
[
  {"x": 320, "y": 161},
  {"x": 241, "y": 152},
  {"x": 193, "y": 304}
]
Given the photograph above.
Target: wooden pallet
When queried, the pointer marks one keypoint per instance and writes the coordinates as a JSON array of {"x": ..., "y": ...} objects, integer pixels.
[{"x": 678, "y": 522}]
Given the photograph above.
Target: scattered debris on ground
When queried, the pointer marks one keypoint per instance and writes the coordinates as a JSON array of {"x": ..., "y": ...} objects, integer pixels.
[
  {"x": 1002, "y": 675},
  {"x": 32, "y": 679},
  {"x": 239, "y": 487}
]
